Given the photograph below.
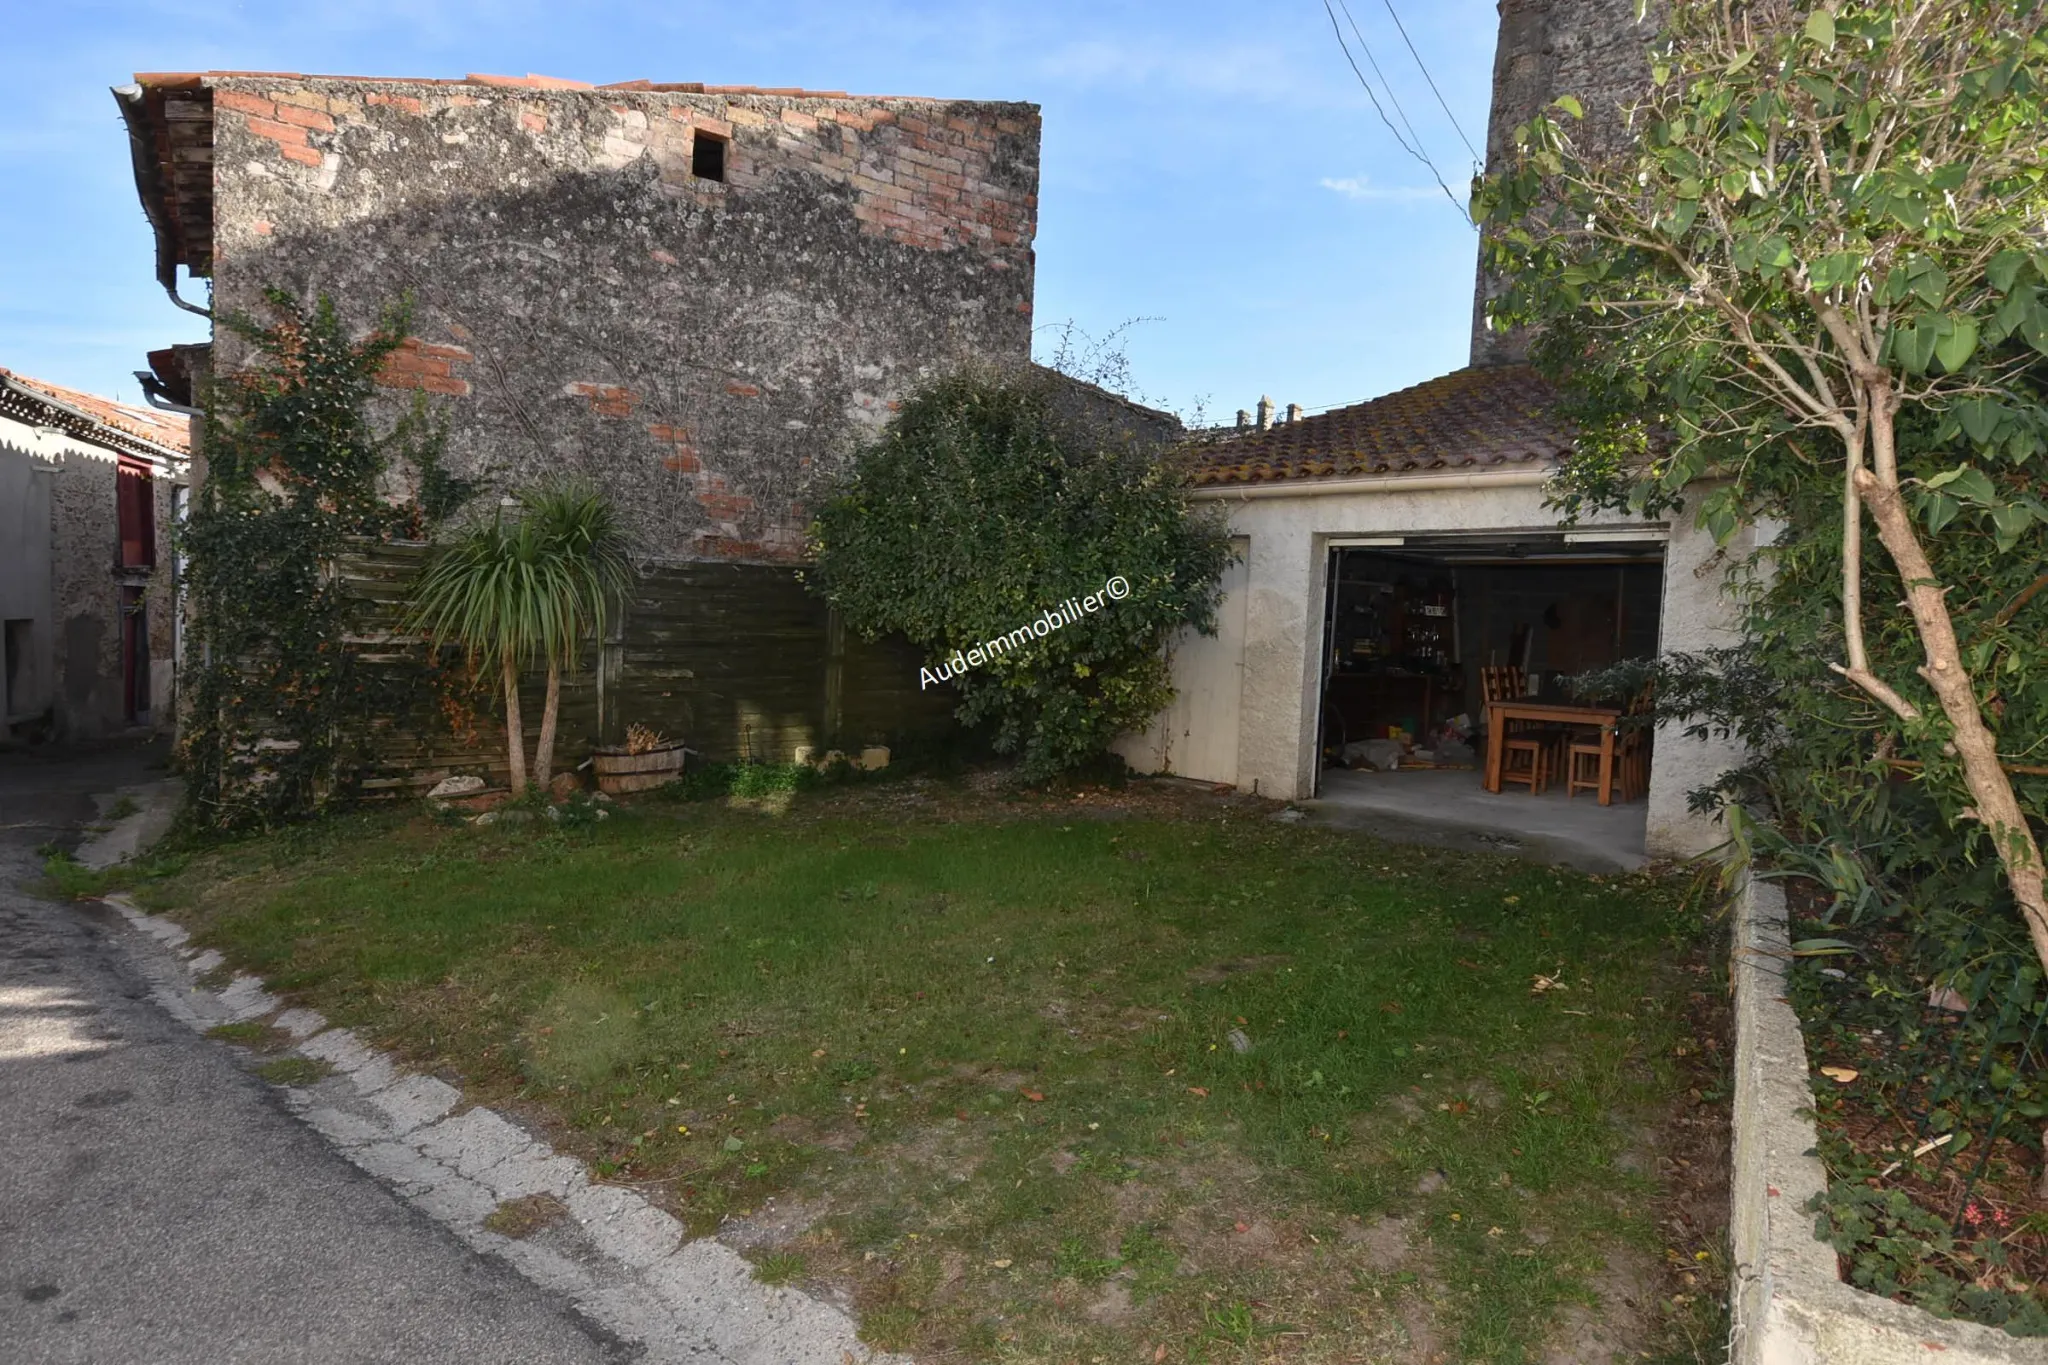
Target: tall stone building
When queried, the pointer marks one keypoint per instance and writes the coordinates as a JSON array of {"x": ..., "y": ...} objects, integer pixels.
[
  {"x": 699, "y": 295},
  {"x": 703, "y": 298},
  {"x": 1590, "y": 49}
]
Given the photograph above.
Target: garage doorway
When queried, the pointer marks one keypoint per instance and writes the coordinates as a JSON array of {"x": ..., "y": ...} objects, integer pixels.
[{"x": 1410, "y": 622}]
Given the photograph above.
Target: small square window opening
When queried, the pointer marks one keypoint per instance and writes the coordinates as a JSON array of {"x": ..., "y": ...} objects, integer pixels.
[{"x": 707, "y": 156}]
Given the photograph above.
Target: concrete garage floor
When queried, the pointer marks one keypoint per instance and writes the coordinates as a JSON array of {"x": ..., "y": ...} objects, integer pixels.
[{"x": 1447, "y": 807}]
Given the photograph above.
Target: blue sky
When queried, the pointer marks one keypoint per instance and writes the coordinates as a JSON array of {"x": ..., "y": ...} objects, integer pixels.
[{"x": 1213, "y": 168}]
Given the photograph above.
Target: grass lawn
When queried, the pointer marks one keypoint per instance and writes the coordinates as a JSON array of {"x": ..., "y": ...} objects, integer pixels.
[{"x": 1141, "y": 1075}]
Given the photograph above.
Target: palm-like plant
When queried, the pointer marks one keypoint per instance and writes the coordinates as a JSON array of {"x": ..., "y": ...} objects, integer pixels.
[{"x": 532, "y": 588}]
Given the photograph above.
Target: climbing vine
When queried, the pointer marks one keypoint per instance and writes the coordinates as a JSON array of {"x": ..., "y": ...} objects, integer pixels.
[{"x": 279, "y": 705}]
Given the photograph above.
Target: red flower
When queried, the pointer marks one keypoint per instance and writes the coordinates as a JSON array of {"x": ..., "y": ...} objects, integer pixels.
[{"x": 1973, "y": 1215}]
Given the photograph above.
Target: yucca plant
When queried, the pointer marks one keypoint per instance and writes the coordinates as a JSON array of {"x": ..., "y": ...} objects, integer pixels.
[{"x": 527, "y": 589}]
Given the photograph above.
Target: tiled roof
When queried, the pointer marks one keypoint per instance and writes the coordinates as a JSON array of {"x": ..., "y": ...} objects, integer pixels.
[
  {"x": 1475, "y": 418},
  {"x": 167, "y": 431},
  {"x": 186, "y": 80}
]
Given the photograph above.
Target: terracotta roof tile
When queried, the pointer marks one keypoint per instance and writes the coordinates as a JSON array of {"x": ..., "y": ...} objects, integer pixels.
[
  {"x": 187, "y": 80},
  {"x": 1471, "y": 418},
  {"x": 168, "y": 430}
]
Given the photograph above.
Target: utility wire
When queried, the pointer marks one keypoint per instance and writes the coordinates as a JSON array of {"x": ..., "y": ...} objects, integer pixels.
[
  {"x": 1477, "y": 160},
  {"x": 1414, "y": 137},
  {"x": 1378, "y": 108}
]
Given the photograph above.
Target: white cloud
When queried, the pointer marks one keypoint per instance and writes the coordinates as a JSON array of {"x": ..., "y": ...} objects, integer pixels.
[{"x": 1358, "y": 187}]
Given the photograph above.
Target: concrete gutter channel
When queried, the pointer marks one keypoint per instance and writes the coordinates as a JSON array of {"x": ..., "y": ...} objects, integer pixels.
[
  {"x": 1788, "y": 1303},
  {"x": 624, "y": 1263}
]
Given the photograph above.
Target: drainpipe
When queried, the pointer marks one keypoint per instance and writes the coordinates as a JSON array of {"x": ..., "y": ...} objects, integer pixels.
[
  {"x": 171, "y": 288},
  {"x": 152, "y": 390}
]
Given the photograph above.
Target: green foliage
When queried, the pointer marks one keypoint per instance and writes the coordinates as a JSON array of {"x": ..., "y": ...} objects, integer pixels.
[
  {"x": 1823, "y": 234},
  {"x": 978, "y": 510},
  {"x": 1896, "y": 1248},
  {"x": 1874, "y": 165},
  {"x": 531, "y": 589},
  {"x": 526, "y": 592},
  {"x": 279, "y": 710}
]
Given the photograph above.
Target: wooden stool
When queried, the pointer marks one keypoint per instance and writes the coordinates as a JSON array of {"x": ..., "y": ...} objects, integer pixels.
[
  {"x": 1539, "y": 751},
  {"x": 1582, "y": 770}
]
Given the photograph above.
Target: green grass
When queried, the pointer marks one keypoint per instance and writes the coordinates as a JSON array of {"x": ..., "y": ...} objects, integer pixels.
[
  {"x": 294, "y": 1071},
  {"x": 992, "y": 1041},
  {"x": 779, "y": 1267}
]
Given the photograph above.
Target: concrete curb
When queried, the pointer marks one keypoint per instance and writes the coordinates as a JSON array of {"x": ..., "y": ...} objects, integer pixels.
[
  {"x": 1788, "y": 1304},
  {"x": 156, "y": 806},
  {"x": 621, "y": 1261}
]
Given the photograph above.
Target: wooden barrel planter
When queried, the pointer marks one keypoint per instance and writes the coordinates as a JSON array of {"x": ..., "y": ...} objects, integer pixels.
[{"x": 619, "y": 772}]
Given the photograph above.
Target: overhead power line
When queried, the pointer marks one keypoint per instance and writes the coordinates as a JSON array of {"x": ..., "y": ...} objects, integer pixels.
[
  {"x": 1414, "y": 148},
  {"x": 1478, "y": 161}
]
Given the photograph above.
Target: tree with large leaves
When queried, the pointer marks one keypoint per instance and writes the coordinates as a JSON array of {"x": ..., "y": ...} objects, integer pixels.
[
  {"x": 1822, "y": 254},
  {"x": 513, "y": 591}
]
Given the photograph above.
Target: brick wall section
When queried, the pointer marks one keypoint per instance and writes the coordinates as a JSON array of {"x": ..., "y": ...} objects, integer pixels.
[
  {"x": 1593, "y": 49},
  {"x": 581, "y": 303}
]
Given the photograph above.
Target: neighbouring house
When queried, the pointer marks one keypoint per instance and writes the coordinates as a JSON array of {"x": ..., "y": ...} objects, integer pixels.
[
  {"x": 1393, "y": 548},
  {"x": 89, "y": 490},
  {"x": 702, "y": 297}
]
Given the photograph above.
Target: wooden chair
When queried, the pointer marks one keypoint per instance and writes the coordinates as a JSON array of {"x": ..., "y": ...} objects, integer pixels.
[
  {"x": 1631, "y": 756},
  {"x": 1502, "y": 683}
]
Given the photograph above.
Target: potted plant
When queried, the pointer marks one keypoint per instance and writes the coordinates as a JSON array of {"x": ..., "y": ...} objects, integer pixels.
[{"x": 647, "y": 759}]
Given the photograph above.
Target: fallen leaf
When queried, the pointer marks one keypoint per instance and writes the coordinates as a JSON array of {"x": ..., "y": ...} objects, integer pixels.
[
  {"x": 1243, "y": 1227},
  {"x": 960, "y": 1114},
  {"x": 817, "y": 1053},
  {"x": 1034, "y": 1096},
  {"x": 1159, "y": 1354},
  {"x": 1203, "y": 1091},
  {"x": 1840, "y": 1074},
  {"x": 1003, "y": 1264}
]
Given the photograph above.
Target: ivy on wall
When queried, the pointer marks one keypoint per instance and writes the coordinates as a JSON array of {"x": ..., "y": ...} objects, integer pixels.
[{"x": 280, "y": 708}]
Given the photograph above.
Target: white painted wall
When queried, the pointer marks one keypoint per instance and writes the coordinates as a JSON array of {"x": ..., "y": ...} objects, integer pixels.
[
  {"x": 1278, "y": 595},
  {"x": 1699, "y": 613},
  {"x": 1197, "y": 735},
  {"x": 25, "y": 593}
]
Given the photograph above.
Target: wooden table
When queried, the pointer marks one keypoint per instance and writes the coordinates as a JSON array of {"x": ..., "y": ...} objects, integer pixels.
[{"x": 1499, "y": 713}]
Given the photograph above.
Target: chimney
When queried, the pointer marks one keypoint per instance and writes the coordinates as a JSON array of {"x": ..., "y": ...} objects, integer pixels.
[
  {"x": 1244, "y": 419},
  {"x": 1294, "y": 412},
  {"x": 1265, "y": 412}
]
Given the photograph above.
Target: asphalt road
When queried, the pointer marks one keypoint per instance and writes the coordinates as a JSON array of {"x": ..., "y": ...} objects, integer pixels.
[{"x": 158, "y": 1206}]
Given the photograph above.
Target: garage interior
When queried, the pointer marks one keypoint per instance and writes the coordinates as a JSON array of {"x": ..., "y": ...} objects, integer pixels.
[{"x": 1409, "y": 623}]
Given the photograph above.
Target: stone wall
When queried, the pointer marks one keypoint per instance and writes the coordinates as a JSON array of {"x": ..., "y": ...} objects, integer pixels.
[
  {"x": 705, "y": 349},
  {"x": 1592, "y": 49}
]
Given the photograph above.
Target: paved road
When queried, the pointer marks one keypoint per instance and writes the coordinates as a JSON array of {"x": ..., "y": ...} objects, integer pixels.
[{"x": 157, "y": 1206}]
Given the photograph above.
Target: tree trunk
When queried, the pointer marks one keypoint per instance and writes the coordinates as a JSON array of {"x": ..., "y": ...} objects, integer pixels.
[
  {"x": 544, "y": 747},
  {"x": 515, "y": 731},
  {"x": 1996, "y": 805}
]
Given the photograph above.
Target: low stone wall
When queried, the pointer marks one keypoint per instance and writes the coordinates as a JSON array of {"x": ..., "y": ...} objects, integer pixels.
[{"x": 1789, "y": 1305}]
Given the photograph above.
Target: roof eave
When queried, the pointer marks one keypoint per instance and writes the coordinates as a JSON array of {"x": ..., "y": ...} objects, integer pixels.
[
  {"x": 83, "y": 426},
  {"x": 149, "y": 183}
]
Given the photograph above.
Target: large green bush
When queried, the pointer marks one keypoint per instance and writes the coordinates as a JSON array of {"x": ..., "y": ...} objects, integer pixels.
[{"x": 981, "y": 508}]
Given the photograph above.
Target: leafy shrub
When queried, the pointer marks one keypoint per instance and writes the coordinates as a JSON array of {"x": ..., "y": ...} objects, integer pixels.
[
  {"x": 1896, "y": 1248},
  {"x": 979, "y": 509}
]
